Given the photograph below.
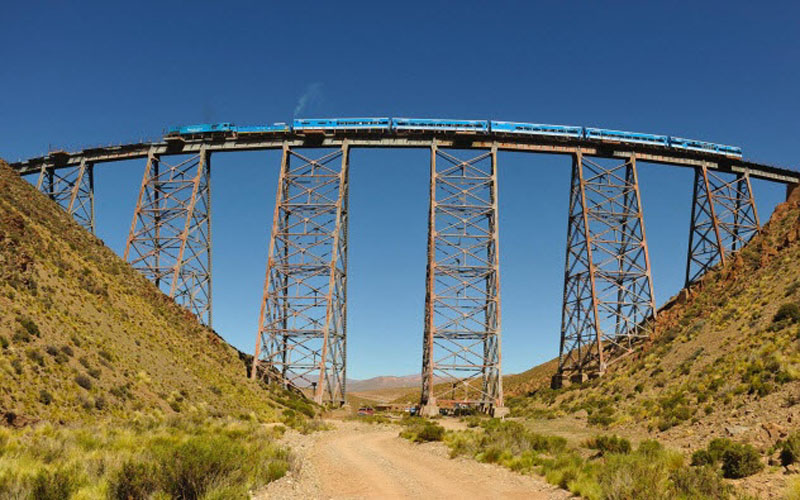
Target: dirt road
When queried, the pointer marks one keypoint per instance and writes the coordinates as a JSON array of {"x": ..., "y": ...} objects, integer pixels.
[{"x": 368, "y": 461}]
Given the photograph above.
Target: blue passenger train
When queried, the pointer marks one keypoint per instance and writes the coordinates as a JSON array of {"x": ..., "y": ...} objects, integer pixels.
[{"x": 422, "y": 125}]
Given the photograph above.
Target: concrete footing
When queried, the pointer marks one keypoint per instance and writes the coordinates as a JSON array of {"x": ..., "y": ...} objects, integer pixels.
[
  {"x": 429, "y": 410},
  {"x": 499, "y": 411},
  {"x": 558, "y": 381},
  {"x": 579, "y": 378}
]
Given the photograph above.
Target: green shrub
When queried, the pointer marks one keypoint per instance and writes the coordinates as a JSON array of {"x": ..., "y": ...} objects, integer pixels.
[
  {"x": 4, "y": 342},
  {"x": 712, "y": 455},
  {"x": 30, "y": 327},
  {"x": 83, "y": 381},
  {"x": 36, "y": 356},
  {"x": 609, "y": 444},
  {"x": 55, "y": 484},
  {"x": 650, "y": 448},
  {"x": 632, "y": 476},
  {"x": 133, "y": 480},
  {"x": 430, "y": 432},
  {"x": 741, "y": 460},
  {"x": 20, "y": 335},
  {"x": 702, "y": 457},
  {"x": 699, "y": 482},
  {"x": 188, "y": 470},
  {"x": 45, "y": 397},
  {"x": 790, "y": 449},
  {"x": 787, "y": 313},
  {"x": 463, "y": 443},
  {"x": 373, "y": 419},
  {"x": 603, "y": 416}
]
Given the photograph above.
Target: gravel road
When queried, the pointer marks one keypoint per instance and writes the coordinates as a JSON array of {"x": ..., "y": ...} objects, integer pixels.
[{"x": 370, "y": 461}]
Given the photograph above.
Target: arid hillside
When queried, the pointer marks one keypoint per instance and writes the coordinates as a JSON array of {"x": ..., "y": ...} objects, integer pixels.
[
  {"x": 82, "y": 334},
  {"x": 724, "y": 360}
]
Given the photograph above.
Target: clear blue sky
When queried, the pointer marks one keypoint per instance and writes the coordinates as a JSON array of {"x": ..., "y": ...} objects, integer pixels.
[{"x": 80, "y": 73}]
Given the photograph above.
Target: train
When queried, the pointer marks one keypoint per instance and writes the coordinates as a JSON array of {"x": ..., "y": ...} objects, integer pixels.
[{"x": 426, "y": 125}]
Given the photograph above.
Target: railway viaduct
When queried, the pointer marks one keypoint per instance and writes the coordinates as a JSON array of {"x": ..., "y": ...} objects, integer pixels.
[{"x": 301, "y": 340}]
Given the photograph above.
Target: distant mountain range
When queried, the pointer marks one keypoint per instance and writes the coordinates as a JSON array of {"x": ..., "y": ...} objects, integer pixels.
[{"x": 384, "y": 382}]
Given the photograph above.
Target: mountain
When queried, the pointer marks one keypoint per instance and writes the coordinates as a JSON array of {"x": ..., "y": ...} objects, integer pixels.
[
  {"x": 84, "y": 335},
  {"x": 384, "y": 382}
]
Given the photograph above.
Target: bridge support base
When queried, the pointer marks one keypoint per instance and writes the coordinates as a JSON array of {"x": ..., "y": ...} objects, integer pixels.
[
  {"x": 608, "y": 291},
  {"x": 302, "y": 330},
  {"x": 499, "y": 411},
  {"x": 170, "y": 235},
  {"x": 428, "y": 410}
]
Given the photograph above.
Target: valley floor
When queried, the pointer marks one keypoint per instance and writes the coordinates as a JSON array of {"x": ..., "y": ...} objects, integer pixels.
[{"x": 358, "y": 460}]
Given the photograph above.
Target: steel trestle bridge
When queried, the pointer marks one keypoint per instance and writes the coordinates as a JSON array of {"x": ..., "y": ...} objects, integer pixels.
[{"x": 302, "y": 329}]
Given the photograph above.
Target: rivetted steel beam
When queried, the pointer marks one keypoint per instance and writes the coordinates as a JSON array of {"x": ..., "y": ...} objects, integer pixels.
[
  {"x": 170, "y": 235},
  {"x": 724, "y": 218},
  {"x": 72, "y": 188},
  {"x": 608, "y": 288},
  {"x": 302, "y": 322},
  {"x": 461, "y": 338}
]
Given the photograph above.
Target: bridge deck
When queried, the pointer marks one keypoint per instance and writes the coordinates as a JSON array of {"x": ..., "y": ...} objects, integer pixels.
[{"x": 394, "y": 139}]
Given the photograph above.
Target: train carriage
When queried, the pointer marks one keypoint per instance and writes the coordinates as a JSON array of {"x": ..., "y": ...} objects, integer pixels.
[
  {"x": 436, "y": 125},
  {"x": 705, "y": 147},
  {"x": 535, "y": 129},
  {"x": 623, "y": 136},
  {"x": 341, "y": 124},
  {"x": 264, "y": 129}
]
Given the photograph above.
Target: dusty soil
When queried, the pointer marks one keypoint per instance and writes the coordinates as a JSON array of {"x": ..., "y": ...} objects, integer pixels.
[{"x": 370, "y": 461}]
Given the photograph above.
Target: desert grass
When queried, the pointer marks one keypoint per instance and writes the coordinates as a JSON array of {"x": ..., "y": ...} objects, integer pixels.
[{"x": 149, "y": 457}]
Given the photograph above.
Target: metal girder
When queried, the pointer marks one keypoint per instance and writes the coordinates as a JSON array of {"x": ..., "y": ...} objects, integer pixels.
[
  {"x": 170, "y": 235},
  {"x": 72, "y": 188},
  {"x": 461, "y": 342},
  {"x": 724, "y": 218},
  {"x": 547, "y": 145},
  {"x": 302, "y": 331},
  {"x": 608, "y": 289}
]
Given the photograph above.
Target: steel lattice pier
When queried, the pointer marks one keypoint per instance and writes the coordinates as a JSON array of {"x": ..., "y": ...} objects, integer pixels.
[
  {"x": 724, "y": 218},
  {"x": 73, "y": 189},
  {"x": 461, "y": 343},
  {"x": 170, "y": 235},
  {"x": 303, "y": 319},
  {"x": 608, "y": 290}
]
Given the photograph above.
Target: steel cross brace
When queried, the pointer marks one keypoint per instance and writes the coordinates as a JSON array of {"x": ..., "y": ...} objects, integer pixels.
[
  {"x": 73, "y": 189},
  {"x": 170, "y": 235},
  {"x": 608, "y": 289},
  {"x": 461, "y": 342},
  {"x": 724, "y": 218},
  {"x": 302, "y": 331}
]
